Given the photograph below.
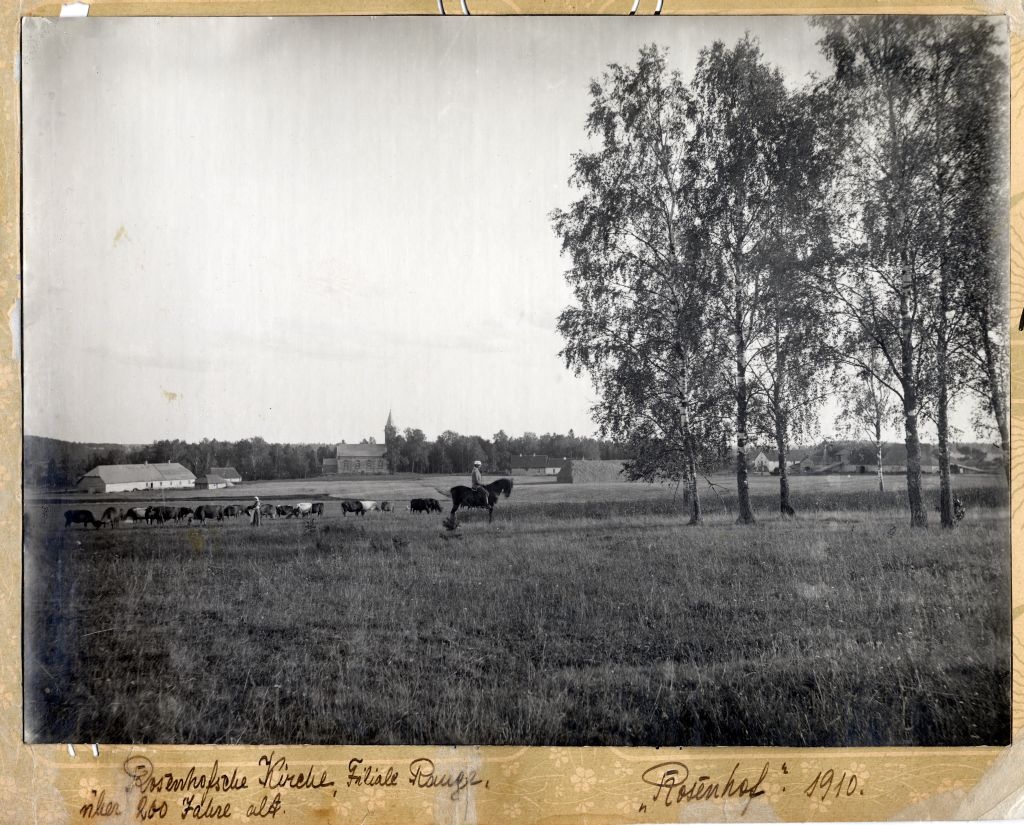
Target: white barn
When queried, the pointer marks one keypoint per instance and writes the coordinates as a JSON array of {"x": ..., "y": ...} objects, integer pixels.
[{"x": 123, "y": 478}]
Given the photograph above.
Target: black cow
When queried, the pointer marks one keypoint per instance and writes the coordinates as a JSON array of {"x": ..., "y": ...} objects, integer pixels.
[
  {"x": 233, "y": 511},
  {"x": 386, "y": 507},
  {"x": 183, "y": 513},
  {"x": 425, "y": 505},
  {"x": 318, "y": 508},
  {"x": 110, "y": 517},
  {"x": 160, "y": 514},
  {"x": 206, "y": 511},
  {"x": 80, "y": 517},
  {"x": 135, "y": 514},
  {"x": 352, "y": 505},
  {"x": 267, "y": 510},
  {"x": 286, "y": 510}
]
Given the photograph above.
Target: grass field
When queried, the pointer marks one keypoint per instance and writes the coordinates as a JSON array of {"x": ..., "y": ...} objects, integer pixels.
[{"x": 585, "y": 614}]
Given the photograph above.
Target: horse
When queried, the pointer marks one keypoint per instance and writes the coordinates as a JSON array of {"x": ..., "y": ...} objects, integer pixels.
[{"x": 468, "y": 497}]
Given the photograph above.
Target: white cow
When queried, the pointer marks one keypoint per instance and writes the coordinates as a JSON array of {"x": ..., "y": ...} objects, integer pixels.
[{"x": 370, "y": 505}]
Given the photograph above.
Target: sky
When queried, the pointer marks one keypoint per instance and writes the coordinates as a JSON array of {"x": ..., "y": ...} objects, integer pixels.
[{"x": 287, "y": 227}]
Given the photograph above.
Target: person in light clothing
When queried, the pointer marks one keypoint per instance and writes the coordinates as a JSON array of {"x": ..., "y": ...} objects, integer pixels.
[
  {"x": 256, "y": 513},
  {"x": 476, "y": 481}
]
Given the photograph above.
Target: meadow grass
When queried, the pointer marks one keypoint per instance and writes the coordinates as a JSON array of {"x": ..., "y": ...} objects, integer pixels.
[{"x": 562, "y": 623}]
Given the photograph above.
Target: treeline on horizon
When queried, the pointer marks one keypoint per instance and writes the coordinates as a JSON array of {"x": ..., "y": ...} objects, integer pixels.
[{"x": 56, "y": 464}]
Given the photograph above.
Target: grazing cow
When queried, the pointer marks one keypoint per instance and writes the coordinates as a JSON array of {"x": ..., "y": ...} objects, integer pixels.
[
  {"x": 351, "y": 505},
  {"x": 268, "y": 510},
  {"x": 303, "y": 508},
  {"x": 425, "y": 505},
  {"x": 183, "y": 513},
  {"x": 285, "y": 510},
  {"x": 165, "y": 514},
  {"x": 153, "y": 514},
  {"x": 318, "y": 508},
  {"x": 233, "y": 511},
  {"x": 80, "y": 517},
  {"x": 206, "y": 511},
  {"x": 385, "y": 507},
  {"x": 370, "y": 505},
  {"x": 135, "y": 514},
  {"x": 110, "y": 517}
]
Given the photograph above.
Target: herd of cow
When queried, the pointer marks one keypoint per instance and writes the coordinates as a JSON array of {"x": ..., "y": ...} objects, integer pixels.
[{"x": 153, "y": 514}]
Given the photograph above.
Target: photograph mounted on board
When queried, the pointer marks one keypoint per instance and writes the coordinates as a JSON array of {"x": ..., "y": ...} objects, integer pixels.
[{"x": 517, "y": 381}]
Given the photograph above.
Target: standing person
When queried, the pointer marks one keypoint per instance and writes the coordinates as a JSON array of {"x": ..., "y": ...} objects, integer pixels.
[
  {"x": 476, "y": 481},
  {"x": 256, "y": 513}
]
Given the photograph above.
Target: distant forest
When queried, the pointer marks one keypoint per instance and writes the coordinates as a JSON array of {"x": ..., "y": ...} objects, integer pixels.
[{"x": 55, "y": 464}]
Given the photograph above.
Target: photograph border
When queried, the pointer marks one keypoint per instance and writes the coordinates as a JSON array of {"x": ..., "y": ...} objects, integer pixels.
[{"x": 73, "y": 782}]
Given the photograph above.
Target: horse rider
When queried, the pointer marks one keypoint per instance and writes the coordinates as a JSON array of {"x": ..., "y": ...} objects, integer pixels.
[
  {"x": 256, "y": 513},
  {"x": 477, "y": 480}
]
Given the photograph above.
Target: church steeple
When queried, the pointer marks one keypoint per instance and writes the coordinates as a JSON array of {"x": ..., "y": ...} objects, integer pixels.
[{"x": 390, "y": 433}]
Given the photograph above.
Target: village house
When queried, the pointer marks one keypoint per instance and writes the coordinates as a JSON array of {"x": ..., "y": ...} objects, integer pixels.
[
  {"x": 535, "y": 465},
  {"x": 229, "y": 474}
]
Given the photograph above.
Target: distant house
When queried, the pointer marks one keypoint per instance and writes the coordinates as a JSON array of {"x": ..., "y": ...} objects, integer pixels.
[
  {"x": 357, "y": 458},
  {"x": 211, "y": 482},
  {"x": 122, "y": 478},
  {"x": 535, "y": 465},
  {"x": 766, "y": 461},
  {"x": 229, "y": 474}
]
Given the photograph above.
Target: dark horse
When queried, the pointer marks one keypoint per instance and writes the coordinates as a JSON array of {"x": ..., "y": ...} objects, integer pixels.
[{"x": 468, "y": 497}]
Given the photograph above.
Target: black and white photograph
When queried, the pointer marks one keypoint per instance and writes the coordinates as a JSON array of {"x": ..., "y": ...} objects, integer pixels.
[{"x": 563, "y": 381}]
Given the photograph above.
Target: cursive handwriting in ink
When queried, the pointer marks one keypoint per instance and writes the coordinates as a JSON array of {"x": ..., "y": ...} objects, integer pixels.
[
  {"x": 422, "y": 774},
  {"x": 143, "y": 776},
  {"x": 277, "y": 775},
  {"x": 99, "y": 806},
  {"x": 673, "y": 778},
  {"x": 370, "y": 775}
]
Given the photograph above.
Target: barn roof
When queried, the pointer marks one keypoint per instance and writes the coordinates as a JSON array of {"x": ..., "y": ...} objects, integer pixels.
[
  {"x": 172, "y": 471},
  {"x": 533, "y": 462},
  {"x": 210, "y": 478},
  {"x": 361, "y": 450},
  {"x": 128, "y": 473},
  {"x": 226, "y": 472}
]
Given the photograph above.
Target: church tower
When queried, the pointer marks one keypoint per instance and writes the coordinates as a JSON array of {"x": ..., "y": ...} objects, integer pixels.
[{"x": 390, "y": 432}]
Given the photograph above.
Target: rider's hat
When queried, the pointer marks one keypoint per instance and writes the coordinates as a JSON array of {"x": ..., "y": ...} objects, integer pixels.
[{"x": 476, "y": 463}]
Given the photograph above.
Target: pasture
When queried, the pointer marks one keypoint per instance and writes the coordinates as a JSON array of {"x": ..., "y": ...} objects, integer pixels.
[{"x": 584, "y": 615}]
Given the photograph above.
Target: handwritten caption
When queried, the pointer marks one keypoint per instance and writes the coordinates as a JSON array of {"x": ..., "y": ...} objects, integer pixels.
[
  {"x": 265, "y": 789},
  {"x": 675, "y": 783},
  {"x": 199, "y": 794}
]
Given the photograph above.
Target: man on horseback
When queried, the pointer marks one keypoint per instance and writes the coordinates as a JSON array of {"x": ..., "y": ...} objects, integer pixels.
[{"x": 476, "y": 481}]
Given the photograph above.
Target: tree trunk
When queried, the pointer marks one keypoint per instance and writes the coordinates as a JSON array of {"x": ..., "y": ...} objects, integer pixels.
[
  {"x": 696, "y": 515},
  {"x": 878, "y": 455},
  {"x": 746, "y": 515},
  {"x": 780, "y": 444},
  {"x": 918, "y": 514},
  {"x": 995, "y": 392},
  {"x": 942, "y": 423}
]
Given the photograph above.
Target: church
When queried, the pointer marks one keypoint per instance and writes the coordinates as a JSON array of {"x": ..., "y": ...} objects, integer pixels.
[{"x": 358, "y": 458}]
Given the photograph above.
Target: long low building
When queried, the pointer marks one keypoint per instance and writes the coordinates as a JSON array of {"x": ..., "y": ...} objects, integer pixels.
[{"x": 123, "y": 478}]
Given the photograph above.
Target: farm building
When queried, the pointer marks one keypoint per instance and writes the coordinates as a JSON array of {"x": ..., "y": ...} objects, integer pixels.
[
  {"x": 229, "y": 474},
  {"x": 357, "y": 458},
  {"x": 765, "y": 461},
  {"x": 583, "y": 472},
  {"x": 121, "y": 478},
  {"x": 211, "y": 481},
  {"x": 535, "y": 465}
]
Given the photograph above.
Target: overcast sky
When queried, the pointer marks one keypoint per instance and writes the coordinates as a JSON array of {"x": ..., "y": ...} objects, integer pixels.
[{"x": 286, "y": 227}]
